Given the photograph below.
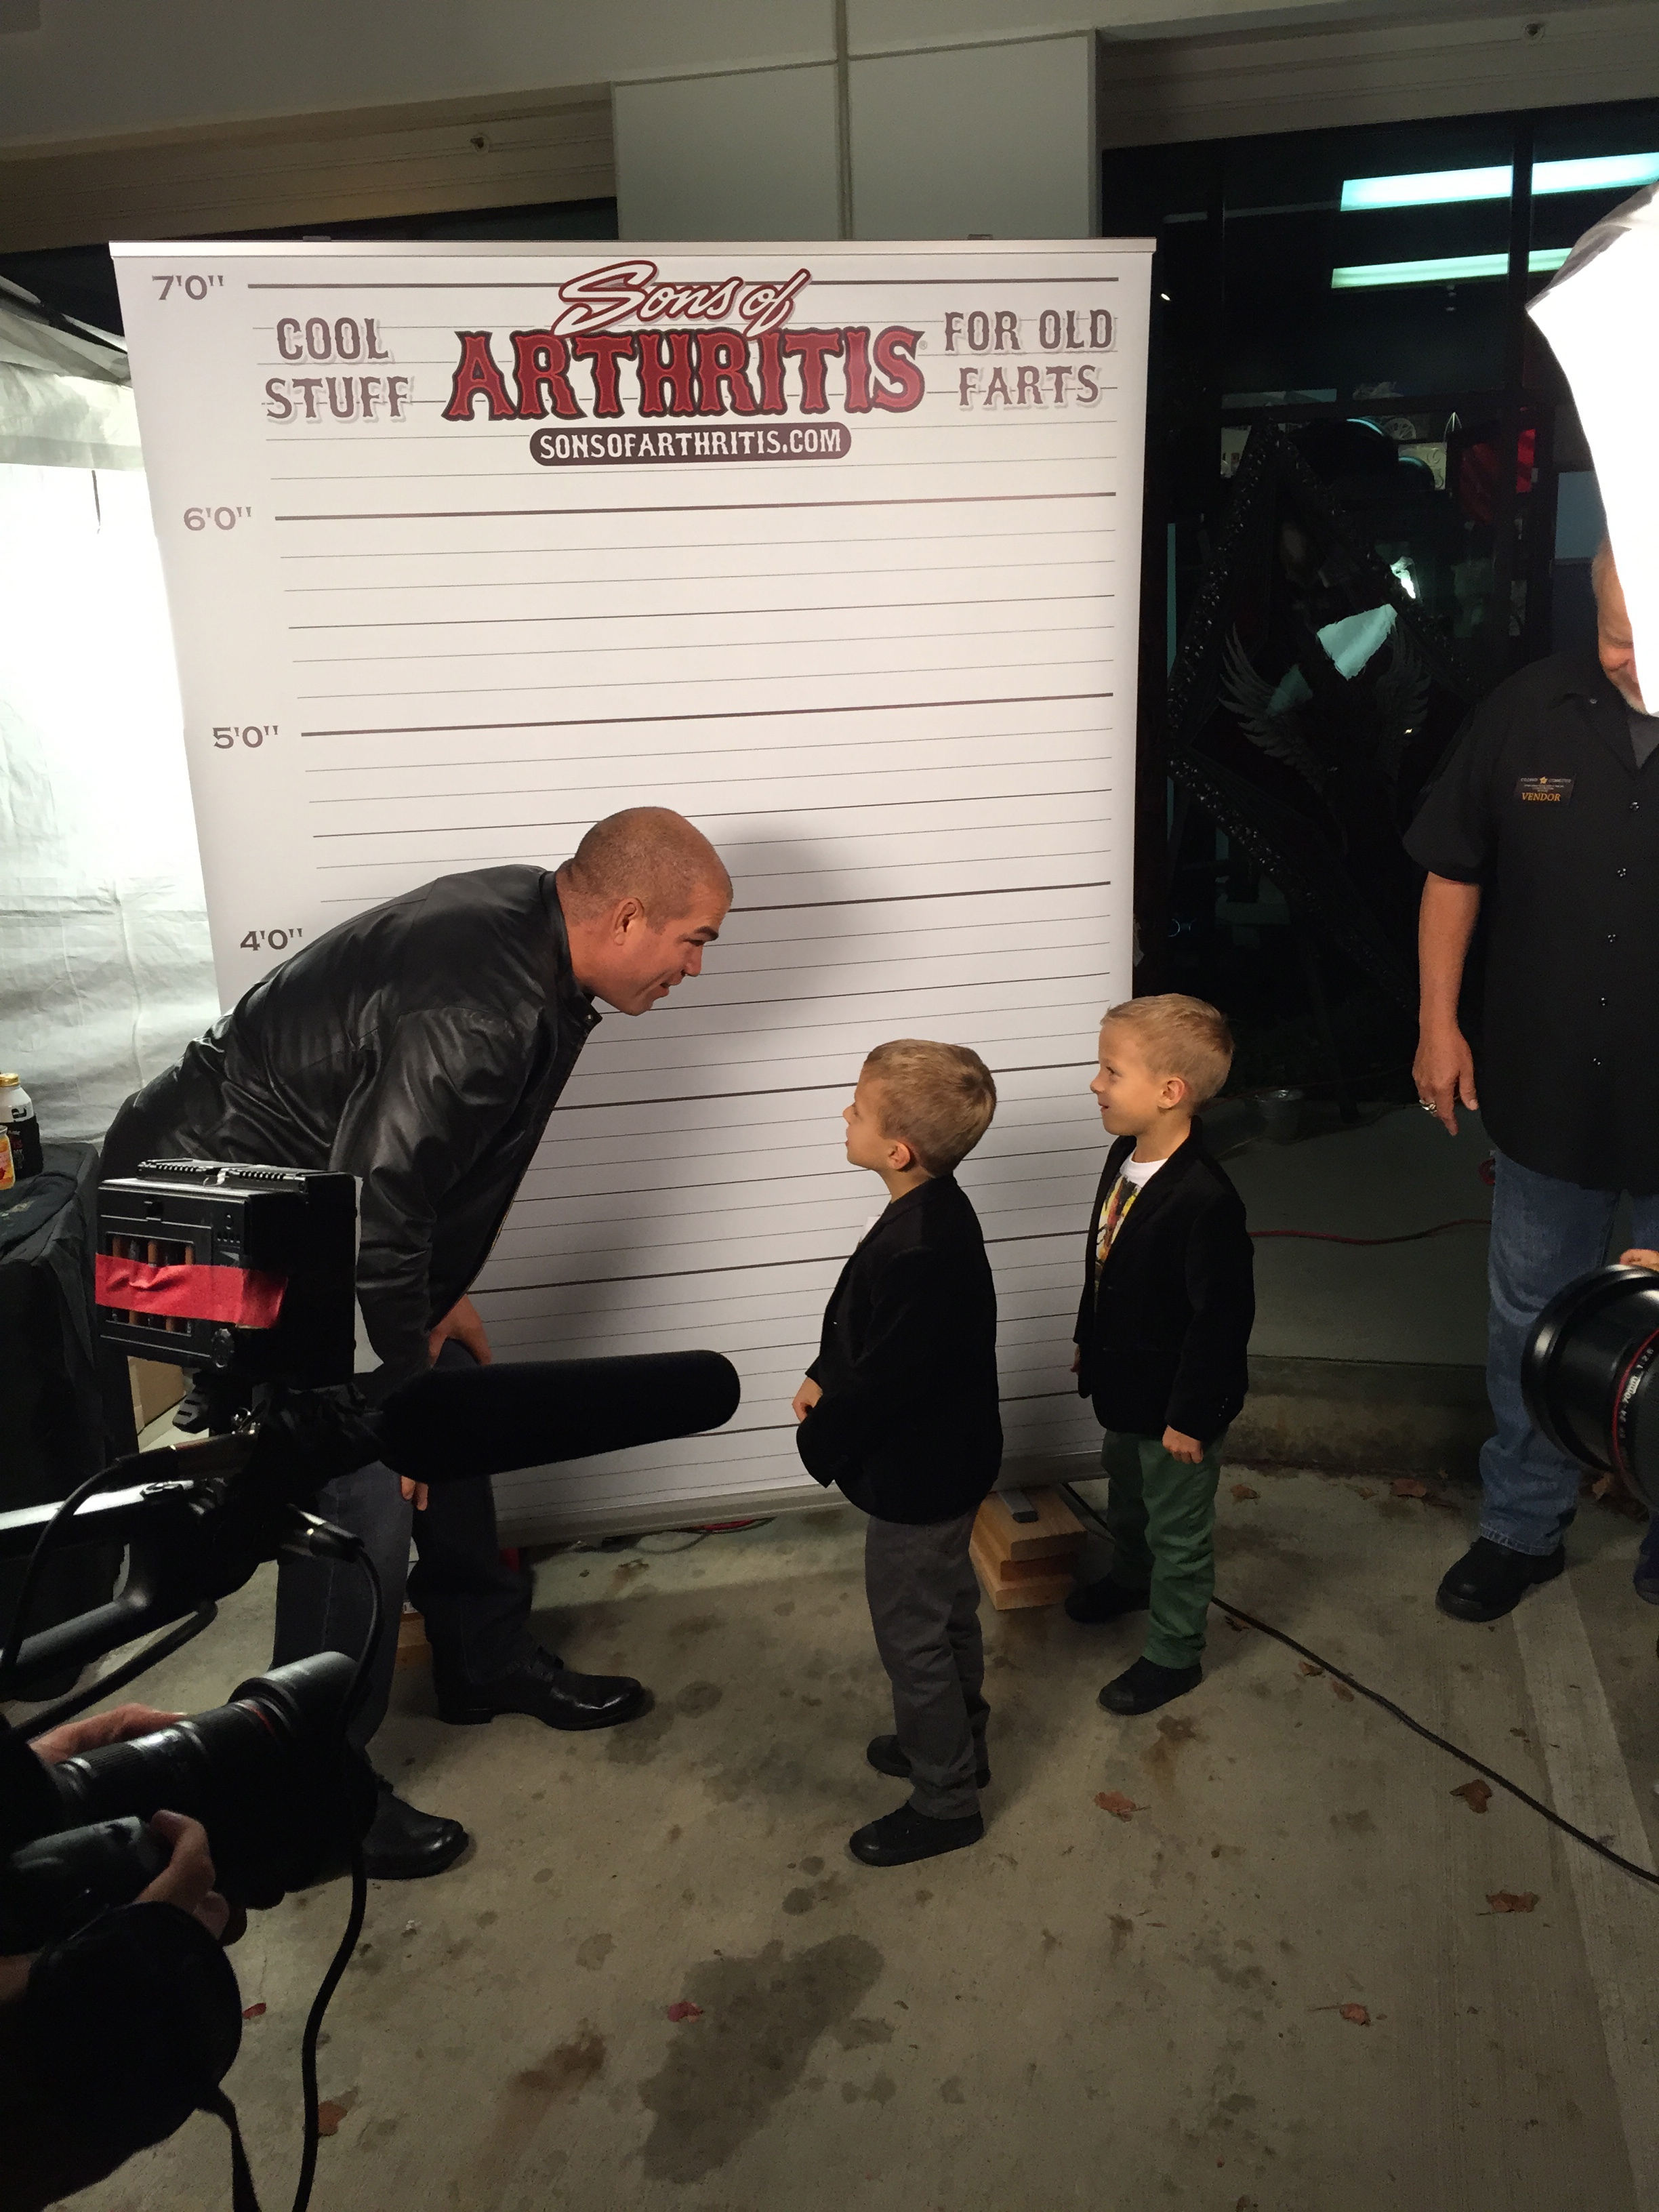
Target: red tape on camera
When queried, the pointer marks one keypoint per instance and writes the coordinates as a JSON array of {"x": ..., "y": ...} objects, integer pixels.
[{"x": 244, "y": 1298}]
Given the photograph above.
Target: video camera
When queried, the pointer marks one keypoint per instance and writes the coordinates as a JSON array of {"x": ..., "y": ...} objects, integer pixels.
[{"x": 246, "y": 1275}]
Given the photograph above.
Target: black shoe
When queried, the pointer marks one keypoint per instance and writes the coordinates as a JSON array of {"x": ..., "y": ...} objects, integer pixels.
[
  {"x": 548, "y": 1693},
  {"x": 1105, "y": 1601},
  {"x": 1490, "y": 1580},
  {"x": 884, "y": 1755},
  {"x": 405, "y": 1846},
  {"x": 1144, "y": 1687},
  {"x": 901, "y": 1839}
]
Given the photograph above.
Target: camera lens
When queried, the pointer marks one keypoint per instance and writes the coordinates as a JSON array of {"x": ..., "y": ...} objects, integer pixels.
[
  {"x": 267, "y": 1774},
  {"x": 1588, "y": 1376}
]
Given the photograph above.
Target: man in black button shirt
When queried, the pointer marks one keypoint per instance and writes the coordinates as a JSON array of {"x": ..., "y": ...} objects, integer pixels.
[{"x": 1545, "y": 819}]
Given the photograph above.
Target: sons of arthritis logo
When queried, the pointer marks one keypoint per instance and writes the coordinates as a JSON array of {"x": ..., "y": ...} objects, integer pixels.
[{"x": 627, "y": 344}]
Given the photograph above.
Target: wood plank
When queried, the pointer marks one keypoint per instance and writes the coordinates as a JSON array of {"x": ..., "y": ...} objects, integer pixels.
[
  {"x": 1055, "y": 1533},
  {"x": 1010, "y": 1597}
]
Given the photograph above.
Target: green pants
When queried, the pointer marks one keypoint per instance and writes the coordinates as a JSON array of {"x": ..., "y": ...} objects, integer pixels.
[{"x": 1160, "y": 1514}]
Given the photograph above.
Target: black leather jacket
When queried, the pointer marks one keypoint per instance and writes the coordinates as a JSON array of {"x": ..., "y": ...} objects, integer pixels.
[{"x": 419, "y": 1047}]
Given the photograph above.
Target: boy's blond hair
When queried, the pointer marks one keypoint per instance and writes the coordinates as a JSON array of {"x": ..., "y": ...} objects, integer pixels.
[
  {"x": 937, "y": 1098},
  {"x": 1182, "y": 1037}
]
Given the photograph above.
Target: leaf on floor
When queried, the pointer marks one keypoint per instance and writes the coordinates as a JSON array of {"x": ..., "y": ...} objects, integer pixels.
[
  {"x": 1342, "y": 1691},
  {"x": 1114, "y": 1802},
  {"x": 1242, "y": 1491},
  {"x": 1407, "y": 1485},
  {"x": 253, "y": 2012},
  {"x": 1477, "y": 1795},
  {"x": 329, "y": 2117},
  {"x": 1307, "y": 1667},
  {"x": 683, "y": 2008},
  {"x": 1512, "y": 1900},
  {"x": 1237, "y": 1627},
  {"x": 1357, "y": 2013},
  {"x": 1365, "y": 1490}
]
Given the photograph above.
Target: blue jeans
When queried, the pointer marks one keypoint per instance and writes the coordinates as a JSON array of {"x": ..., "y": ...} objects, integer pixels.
[{"x": 1544, "y": 1233}]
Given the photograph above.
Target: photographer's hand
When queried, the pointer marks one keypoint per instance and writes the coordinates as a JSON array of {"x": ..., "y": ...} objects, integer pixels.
[
  {"x": 462, "y": 1323},
  {"x": 1639, "y": 1256},
  {"x": 120, "y": 1725},
  {"x": 187, "y": 1879}
]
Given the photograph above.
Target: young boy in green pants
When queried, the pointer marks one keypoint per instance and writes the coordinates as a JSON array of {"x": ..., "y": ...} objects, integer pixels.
[{"x": 1168, "y": 1303}]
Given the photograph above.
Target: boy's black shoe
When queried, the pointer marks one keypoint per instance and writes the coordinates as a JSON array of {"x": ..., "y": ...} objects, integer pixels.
[
  {"x": 1144, "y": 1687},
  {"x": 884, "y": 1755},
  {"x": 1105, "y": 1599},
  {"x": 1490, "y": 1580},
  {"x": 547, "y": 1692},
  {"x": 900, "y": 1839}
]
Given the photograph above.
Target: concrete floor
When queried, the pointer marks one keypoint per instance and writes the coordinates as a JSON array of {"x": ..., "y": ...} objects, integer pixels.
[{"x": 1084, "y": 2009}]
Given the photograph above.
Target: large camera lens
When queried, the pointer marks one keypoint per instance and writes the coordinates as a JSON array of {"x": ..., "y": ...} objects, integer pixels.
[
  {"x": 1588, "y": 1375},
  {"x": 268, "y": 1776}
]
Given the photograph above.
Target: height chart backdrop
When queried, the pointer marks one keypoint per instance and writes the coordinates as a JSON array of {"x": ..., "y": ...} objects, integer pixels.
[{"x": 833, "y": 548}]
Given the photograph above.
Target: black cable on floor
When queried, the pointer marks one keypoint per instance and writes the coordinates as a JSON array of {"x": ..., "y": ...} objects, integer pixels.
[{"x": 1360, "y": 1689}]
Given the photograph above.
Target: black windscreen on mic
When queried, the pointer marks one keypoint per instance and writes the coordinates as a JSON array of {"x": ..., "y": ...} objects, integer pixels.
[{"x": 488, "y": 1420}]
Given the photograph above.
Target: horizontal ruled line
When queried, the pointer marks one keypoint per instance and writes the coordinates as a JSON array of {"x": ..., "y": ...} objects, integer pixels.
[
  {"x": 694, "y": 506},
  {"x": 686, "y": 683},
  {"x": 738, "y": 814},
  {"x": 706, "y": 714},
  {"x": 707, "y": 614},
  {"x": 655, "y": 545}
]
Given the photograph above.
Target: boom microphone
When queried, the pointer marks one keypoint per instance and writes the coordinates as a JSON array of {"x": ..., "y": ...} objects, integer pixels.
[{"x": 462, "y": 1421}]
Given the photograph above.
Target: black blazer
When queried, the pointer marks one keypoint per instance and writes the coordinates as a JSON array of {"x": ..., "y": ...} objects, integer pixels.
[
  {"x": 908, "y": 1424},
  {"x": 1162, "y": 1344}
]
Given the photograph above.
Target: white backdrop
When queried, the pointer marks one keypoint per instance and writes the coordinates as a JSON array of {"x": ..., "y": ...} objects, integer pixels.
[{"x": 894, "y": 679}]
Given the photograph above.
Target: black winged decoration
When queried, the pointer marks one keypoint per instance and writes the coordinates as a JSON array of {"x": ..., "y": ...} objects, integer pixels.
[{"x": 1310, "y": 702}]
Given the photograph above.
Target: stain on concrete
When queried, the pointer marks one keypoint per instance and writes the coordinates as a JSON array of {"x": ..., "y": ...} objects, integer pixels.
[
  {"x": 812, "y": 1866},
  {"x": 485, "y": 1919},
  {"x": 951, "y": 2091},
  {"x": 762, "y": 2017},
  {"x": 859, "y": 2034},
  {"x": 1123, "y": 1928},
  {"x": 1050, "y": 1944},
  {"x": 698, "y": 1698},
  {"x": 798, "y": 1901},
  {"x": 1353, "y": 1824},
  {"x": 566, "y": 2068},
  {"x": 696, "y": 1624},
  {"x": 639, "y": 1742},
  {"x": 624, "y": 1576},
  {"x": 593, "y": 1951},
  {"x": 784, "y": 1610}
]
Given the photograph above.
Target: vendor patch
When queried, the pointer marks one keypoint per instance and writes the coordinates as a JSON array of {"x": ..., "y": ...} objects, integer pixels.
[{"x": 1544, "y": 790}]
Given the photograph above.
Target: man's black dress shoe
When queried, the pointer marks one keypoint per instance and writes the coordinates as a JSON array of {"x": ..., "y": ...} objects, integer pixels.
[
  {"x": 1144, "y": 1687},
  {"x": 884, "y": 1755},
  {"x": 548, "y": 1693},
  {"x": 405, "y": 1846},
  {"x": 1490, "y": 1580},
  {"x": 1105, "y": 1599},
  {"x": 901, "y": 1839}
]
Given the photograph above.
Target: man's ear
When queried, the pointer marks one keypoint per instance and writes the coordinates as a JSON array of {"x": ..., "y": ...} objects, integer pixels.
[{"x": 624, "y": 917}]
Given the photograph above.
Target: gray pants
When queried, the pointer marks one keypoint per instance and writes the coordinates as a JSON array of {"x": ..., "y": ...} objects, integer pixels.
[{"x": 924, "y": 1606}]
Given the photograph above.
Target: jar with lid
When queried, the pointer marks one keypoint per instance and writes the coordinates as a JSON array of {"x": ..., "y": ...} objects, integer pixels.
[{"x": 19, "y": 1133}]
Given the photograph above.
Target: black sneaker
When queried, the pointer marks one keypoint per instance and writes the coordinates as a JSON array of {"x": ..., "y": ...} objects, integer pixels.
[
  {"x": 1106, "y": 1600},
  {"x": 884, "y": 1755},
  {"x": 901, "y": 1839},
  {"x": 1491, "y": 1580},
  {"x": 1144, "y": 1687}
]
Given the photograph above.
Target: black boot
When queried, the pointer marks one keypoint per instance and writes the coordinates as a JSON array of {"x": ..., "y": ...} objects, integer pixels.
[
  {"x": 1144, "y": 1687},
  {"x": 901, "y": 1839},
  {"x": 884, "y": 1755},
  {"x": 547, "y": 1692},
  {"x": 1106, "y": 1600},
  {"x": 405, "y": 1846},
  {"x": 1490, "y": 1580}
]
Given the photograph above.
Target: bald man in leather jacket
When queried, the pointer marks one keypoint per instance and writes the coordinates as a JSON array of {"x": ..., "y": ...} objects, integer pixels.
[{"x": 422, "y": 1046}]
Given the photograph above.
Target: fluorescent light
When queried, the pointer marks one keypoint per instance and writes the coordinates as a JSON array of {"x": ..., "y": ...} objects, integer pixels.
[
  {"x": 1435, "y": 188},
  {"x": 1592, "y": 172},
  {"x": 1455, "y": 269}
]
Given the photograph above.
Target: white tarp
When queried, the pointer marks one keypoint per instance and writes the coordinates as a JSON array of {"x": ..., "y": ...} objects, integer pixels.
[
  {"x": 1602, "y": 316},
  {"x": 66, "y": 402},
  {"x": 105, "y": 966}
]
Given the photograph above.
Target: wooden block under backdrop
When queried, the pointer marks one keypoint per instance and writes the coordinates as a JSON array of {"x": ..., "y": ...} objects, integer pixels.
[
  {"x": 1013, "y": 1584},
  {"x": 413, "y": 1650},
  {"x": 1055, "y": 1533}
]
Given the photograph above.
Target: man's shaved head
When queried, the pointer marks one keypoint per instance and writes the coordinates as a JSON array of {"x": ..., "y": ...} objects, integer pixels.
[{"x": 645, "y": 853}]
